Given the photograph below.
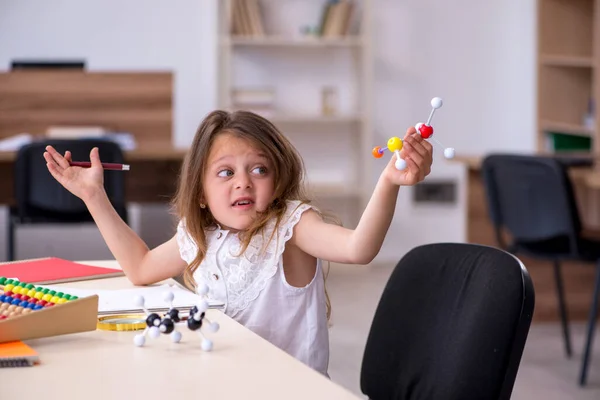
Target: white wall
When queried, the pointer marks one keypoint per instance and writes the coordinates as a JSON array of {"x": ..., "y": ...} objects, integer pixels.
[
  {"x": 116, "y": 35},
  {"x": 123, "y": 35},
  {"x": 478, "y": 56}
]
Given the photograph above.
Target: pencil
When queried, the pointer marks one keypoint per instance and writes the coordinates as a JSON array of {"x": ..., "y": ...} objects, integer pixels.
[{"x": 108, "y": 166}]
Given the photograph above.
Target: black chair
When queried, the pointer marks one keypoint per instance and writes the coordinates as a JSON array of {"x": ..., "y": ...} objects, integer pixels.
[
  {"x": 451, "y": 324},
  {"x": 40, "y": 199},
  {"x": 531, "y": 199}
]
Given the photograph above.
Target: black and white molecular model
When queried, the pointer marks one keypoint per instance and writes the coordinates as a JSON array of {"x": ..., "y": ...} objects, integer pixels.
[{"x": 168, "y": 323}]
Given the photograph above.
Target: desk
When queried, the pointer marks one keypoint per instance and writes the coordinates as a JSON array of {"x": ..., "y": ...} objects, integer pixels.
[
  {"x": 137, "y": 102},
  {"x": 578, "y": 278},
  {"x": 152, "y": 178},
  {"x": 587, "y": 176},
  {"x": 104, "y": 364}
]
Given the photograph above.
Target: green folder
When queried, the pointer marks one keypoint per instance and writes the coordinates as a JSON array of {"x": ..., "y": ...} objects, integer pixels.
[{"x": 567, "y": 142}]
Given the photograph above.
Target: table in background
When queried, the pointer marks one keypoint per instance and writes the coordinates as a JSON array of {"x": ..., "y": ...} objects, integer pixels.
[
  {"x": 578, "y": 278},
  {"x": 106, "y": 364},
  {"x": 152, "y": 178}
]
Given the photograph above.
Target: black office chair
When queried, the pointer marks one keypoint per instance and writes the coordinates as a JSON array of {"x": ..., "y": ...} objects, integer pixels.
[
  {"x": 451, "y": 324},
  {"x": 531, "y": 199},
  {"x": 40, "y": 199}
]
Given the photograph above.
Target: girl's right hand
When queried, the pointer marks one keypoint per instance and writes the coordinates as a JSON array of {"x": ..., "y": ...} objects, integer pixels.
[{"x": 84, "y": 183}]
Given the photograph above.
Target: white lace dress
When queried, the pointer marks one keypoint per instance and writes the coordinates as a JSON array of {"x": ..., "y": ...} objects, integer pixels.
[{"x": 256, "y": 293}]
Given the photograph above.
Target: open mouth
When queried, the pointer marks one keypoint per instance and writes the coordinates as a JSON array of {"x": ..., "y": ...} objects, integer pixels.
[{"x": 242, "y": 203}]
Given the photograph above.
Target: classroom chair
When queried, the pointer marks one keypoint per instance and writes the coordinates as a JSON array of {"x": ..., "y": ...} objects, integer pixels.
[
  {"x": 451, "y": 324},
  {"x": 531, "y": 200},
  {"x": 40, "y": 199}
]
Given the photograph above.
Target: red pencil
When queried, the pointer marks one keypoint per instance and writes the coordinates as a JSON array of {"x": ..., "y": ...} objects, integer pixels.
[{"x": 108, "y": 166}]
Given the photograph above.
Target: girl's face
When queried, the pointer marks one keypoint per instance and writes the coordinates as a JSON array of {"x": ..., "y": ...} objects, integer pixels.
[{"x": 238, "y": 182}]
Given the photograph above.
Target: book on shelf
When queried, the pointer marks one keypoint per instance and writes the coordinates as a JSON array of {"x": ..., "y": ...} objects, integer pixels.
[
  {"x": 566, "y": 142},
  {"x": 335, "y": 21},
  {"x": 246, "y": 18},
  {"x": 336, "y": 18}
]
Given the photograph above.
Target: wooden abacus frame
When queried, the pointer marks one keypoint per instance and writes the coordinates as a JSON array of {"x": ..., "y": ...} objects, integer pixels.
[{"x": 75, "y": 316}]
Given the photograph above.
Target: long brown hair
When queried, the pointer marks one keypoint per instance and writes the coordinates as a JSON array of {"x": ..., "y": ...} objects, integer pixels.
[{"x": 288, "y": 168}]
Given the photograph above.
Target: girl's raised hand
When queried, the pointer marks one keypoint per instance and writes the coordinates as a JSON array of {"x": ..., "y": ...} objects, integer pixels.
[
  {"x": 418, "y": 154},
  {"x": 82, "y": 182}
]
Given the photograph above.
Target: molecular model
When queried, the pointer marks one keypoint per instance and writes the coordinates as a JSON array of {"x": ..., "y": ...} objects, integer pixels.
[
  {"x": 167, "y": 324},
  {"x": 395, "y": 144}
]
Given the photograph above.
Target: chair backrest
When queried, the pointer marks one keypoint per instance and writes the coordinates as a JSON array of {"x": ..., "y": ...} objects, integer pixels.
[
  {"x": 38, "y": 194},
  {"x": 531, "y": 196},
  {"x": 451, "y": 324}
]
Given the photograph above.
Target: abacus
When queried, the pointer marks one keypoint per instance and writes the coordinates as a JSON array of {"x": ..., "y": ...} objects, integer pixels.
[
  {"x": 28, "y": 311},
  {"x": 395, "y": 144}
]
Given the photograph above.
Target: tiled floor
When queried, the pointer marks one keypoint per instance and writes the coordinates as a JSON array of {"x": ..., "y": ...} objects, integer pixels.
[{"x": 545, "y": 373}]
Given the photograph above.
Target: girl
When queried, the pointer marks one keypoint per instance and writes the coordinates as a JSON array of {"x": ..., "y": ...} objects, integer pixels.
[{"x": 247, "y": 229}]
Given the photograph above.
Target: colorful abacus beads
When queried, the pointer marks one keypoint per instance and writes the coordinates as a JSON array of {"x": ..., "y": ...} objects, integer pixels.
[{"x": 18, "y": 298}]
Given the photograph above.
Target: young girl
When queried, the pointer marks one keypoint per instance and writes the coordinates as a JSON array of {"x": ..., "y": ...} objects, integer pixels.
[{"x": 247, "y": 229}]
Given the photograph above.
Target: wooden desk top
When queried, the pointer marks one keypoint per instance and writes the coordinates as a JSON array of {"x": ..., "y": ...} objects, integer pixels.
[
  {"x": 471, "y": 162},
  {"x": 586, "y": 175},
  {"x": 106, "y": 364}
]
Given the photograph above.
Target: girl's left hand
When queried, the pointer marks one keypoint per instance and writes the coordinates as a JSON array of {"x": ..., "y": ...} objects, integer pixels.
[{"x": 418, "y": 154}]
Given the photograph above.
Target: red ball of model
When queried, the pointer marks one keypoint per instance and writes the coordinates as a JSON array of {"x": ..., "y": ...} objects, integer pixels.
[{"x": 426, "y": 131}]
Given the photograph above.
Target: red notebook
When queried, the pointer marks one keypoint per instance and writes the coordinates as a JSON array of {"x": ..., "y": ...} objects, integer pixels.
[{"x": 54, "y": 270}]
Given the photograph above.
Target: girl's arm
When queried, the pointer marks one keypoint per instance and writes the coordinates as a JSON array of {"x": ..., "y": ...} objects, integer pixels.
[
  {"x": 359, "y": 246},
  {"x": 141, "y": 265}
]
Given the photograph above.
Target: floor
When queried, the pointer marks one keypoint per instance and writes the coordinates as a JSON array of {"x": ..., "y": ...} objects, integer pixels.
[{"x": 545, "y": 372}]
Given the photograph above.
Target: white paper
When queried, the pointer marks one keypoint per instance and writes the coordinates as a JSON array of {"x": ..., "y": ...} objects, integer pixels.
[{"x": 123, "y": 300}]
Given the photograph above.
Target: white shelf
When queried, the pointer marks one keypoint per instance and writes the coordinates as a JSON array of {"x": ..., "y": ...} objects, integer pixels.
[
  {"x": 557, "y": 60},
  {"x": 271, "y": 59},
  {"x": 283, "y": 41},
  {"x": 572, "y": 129}
]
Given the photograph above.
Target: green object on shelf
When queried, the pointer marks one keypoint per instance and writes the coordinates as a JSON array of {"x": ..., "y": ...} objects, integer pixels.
[{"x": 568, "y": 142}]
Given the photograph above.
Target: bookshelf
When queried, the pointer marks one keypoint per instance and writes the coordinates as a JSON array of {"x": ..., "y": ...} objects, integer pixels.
[
  {"x": 568, "y": 84},
  {"x": 307, "y": 66}
]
